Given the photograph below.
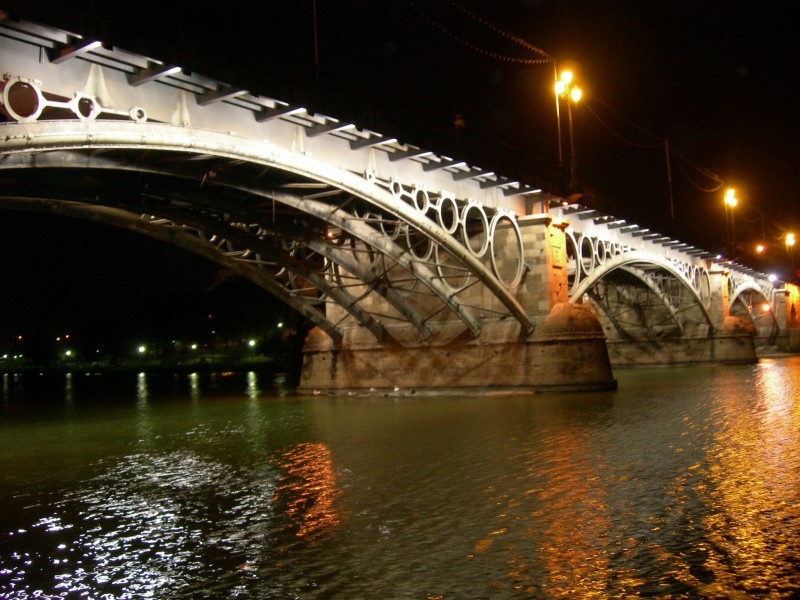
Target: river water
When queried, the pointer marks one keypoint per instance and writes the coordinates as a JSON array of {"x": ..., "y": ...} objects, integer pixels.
[{"x": 683, "y": 483}]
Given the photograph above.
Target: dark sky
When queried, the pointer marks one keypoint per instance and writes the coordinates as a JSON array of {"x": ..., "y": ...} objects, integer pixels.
[{"x": 718, "y": 80}]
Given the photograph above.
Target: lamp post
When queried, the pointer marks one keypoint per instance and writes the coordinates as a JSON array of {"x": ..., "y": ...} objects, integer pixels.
[
  {"x": 730, "y": 203},
  {"x": 567, "y": 88}
]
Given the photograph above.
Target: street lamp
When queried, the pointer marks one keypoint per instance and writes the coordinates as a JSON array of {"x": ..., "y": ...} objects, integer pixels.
[
  {"x": 567, "y": 88},
  {"x": 790, "y": 246},
  {"x": 730, "y": 203}
]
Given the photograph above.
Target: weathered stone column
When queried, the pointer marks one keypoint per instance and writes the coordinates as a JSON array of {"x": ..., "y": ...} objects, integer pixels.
[
  {"x": 733, "y": 340},
  {"x": 787, "y": 313},
  {"x": 568, "y": 343},
  {"x": 719, "y": 308}
]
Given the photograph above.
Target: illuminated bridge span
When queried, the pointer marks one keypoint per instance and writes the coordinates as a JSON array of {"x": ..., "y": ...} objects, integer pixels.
[{"x": 418, "y": 270}]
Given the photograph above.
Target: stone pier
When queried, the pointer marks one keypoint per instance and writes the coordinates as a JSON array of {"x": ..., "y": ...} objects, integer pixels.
[{"x": 565, "y": 351}]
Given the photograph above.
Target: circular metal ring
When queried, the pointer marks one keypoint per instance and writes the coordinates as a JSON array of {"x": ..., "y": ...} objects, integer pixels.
[
  {"x": 422, "y": 202},
  {"x": 500, "y": 216},
  {"x": 391, "y": 229},
  {"x": 573, "y": 260},
  {"x": 586, "y": 262},
  {"x": 27, "y": 86},
  {"x": 442, "y": 269},
  {"x": 484, "y": 223},
  {"x": 138, "y": 114},
  {"x": 704, "y": 287},
  {"x": 411, "y": 244},
  {"x": 600, "y": 251},
  {"x": 447, "y": 213},
  {"x": 78, "y": 102},
  {"x": 396, "y": 188}
]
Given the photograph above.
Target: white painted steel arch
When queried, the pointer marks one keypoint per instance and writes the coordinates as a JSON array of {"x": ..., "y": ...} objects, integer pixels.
[
  {"x": 42, "y": 137},
  {"x": 632, "y": 259}
]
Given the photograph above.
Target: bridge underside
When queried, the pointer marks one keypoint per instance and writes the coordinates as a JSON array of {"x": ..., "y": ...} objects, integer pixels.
[
  {"x": 416, "y": 270},
  {"x": 654, "y": 313},
  {"x": 394, "y": 305},
  {"x": 651, "y": 320}
]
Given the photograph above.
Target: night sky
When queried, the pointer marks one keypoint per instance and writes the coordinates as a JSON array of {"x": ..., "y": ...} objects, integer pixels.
[{"x": 715, "y": 79}]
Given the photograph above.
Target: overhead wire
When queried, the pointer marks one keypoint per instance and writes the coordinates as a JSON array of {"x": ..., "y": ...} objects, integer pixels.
[
  {"x": 511, "y": 59},
  {"x": 549, "y": 59},
  {"x": 502, "y": 32},
  {"x": 618, "y": 135}
]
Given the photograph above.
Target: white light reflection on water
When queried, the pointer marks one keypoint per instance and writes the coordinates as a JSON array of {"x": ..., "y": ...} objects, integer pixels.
[
  {"x": 142, "y": 528},
  {"x": 194, "y": 386},
  {"x": 682, "y": 484}
]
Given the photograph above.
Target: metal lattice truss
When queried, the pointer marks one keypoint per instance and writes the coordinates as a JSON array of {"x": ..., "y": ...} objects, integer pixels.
[
  {"x": 308, "y": 232},
  {"x": 754, "y": 300},
  {"x": 643, "y": 294},
  {"x": 344, "y": 224}
]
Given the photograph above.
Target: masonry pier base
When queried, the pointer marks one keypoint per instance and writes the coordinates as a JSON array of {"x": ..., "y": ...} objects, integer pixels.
[
  {"x": 567, "y": 352},
  {"x": 733, "y": 344}
]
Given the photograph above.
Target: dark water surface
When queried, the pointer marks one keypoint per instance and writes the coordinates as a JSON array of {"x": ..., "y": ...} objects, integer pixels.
[{"x": 683, "y": 483}]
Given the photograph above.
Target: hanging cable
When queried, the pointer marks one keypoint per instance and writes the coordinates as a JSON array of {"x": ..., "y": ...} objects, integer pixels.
[
  {"x": 660, "y": 139},
  {"x": 475, "y": 47},
  {"x": 697, "y": 186},
  {"x": 617, "y": 134},
  {"x": 547, "y": 58},
  {"x": 502, "y": 32}
]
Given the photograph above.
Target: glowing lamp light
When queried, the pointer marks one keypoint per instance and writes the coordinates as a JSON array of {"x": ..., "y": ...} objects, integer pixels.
[
  {"x": 766, "y": 307},
  {"x": 760, "y": 248},
  {"x": 772, "y": 277},
  {"x": 142, "y": 349},
  {"x": 251, "y": 343},
  {"x": 790, "y": 239},
  {"x": 730, "y": 197},
  {"x": 565, "y": 86}
]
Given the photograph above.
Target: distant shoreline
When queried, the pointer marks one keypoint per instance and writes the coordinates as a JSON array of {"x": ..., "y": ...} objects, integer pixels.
[{"x": 257, "y": 363}]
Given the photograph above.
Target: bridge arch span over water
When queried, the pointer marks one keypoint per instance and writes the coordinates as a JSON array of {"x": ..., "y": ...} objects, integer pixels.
[{"x": 419, "y": 270}]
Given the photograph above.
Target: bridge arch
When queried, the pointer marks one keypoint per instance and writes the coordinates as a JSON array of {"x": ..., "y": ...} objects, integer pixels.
[
  {"x": 624, "y": 284},
  {"x": 749, "y": 301},
  {"x": 108, "y": 145}
]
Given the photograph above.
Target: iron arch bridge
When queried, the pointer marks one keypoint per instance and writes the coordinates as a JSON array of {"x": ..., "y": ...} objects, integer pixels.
[
  {"x": 647, "y": 285},
  {"x": 346, "y": 225},
  {"x": 315, "y": 233}
]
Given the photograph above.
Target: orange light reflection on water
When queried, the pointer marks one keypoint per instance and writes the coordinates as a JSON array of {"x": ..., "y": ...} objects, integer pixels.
[
  {"x": 752, "y": 485},
  {"x": 308, "y": 488}
]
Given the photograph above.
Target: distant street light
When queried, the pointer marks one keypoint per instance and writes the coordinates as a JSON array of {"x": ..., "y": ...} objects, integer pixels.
[
  {"x": 790, "y": 246},
  {"x": 730, "y": 203},
  {"x": 567, "y": 88}
]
